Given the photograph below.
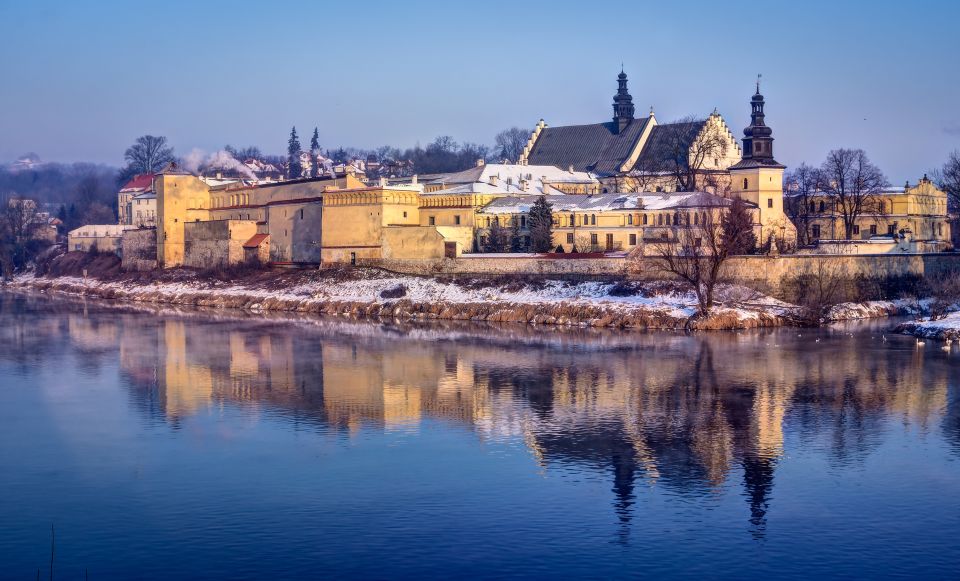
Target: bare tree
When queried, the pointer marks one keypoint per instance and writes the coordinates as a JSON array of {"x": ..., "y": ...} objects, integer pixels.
[
  {"x": 685, "y": 148},
  {"x": 497, "y": 237},
  {"x": 695, "y": 254},
  {"x": 799, "y": 188},
  {"x": 854, "y": 184},
  {"x": 148, "y": 154},
  {"x": 947, "y": 179},
  {"x": 510, "y": 142}
]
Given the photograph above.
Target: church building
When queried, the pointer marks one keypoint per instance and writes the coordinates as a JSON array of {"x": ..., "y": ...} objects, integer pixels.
[{"x": 631, "y": 154}]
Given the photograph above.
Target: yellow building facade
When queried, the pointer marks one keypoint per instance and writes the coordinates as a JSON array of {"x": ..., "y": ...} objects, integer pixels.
[{"x": 918, "y": 210}]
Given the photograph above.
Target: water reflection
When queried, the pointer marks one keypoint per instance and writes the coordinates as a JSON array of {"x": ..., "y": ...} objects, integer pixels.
[{"x": 690, "y": 414}]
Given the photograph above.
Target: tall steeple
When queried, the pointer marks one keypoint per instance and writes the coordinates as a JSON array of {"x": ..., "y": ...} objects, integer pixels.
[
  {"x": 622, "y": 103},
  {"x": 758, "y": 138}
]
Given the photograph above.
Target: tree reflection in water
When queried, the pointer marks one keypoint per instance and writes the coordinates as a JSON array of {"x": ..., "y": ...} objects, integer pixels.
[{"x": 680, "y": 412}]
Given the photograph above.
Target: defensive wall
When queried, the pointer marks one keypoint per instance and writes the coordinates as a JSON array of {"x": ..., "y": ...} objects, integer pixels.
[{"x": 773, "y": 274}]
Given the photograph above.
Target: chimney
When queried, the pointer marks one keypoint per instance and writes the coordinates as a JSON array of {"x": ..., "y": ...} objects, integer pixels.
[
  {"x": 219, "y": 175},
  {"x": 413, "y": 180},
  {"x": 481, "y": 162},
  {"x": 383, "y": 182},
  {"x": 493, "y": 179},
  {"x": 570, "y": 169}
]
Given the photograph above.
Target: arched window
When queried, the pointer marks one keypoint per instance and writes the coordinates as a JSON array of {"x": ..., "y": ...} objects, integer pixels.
[
  {"x": 686, "y": 219},
  {"x": 573, "y": 219},
  {"x": 630, "y": 219},
  {"x": 881, "y": 208},
  {"x": 644, "y": 219},
  {"x": 586, "y": 219},
  {"x": 812, "y": 207},
  {"x": 696, "y": 219},
  {"x": 745, "y": 183},
  {"x": 593, "y": 219},
  {"x": 823, "y": 206},
  {"x": 660, "y": 219},
  {"x": 523, "y": 221}
]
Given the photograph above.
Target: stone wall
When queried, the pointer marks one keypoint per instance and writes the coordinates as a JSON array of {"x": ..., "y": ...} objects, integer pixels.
[
  {"x": 139, "y": 249},
  {"x": 773, "y": 274},
  {"x": 217, "y": 243}
]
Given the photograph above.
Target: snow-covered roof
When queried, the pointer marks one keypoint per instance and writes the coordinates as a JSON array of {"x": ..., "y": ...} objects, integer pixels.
[
  {"x": 609, "y": 202},
  {"x": 140, "y": 183},
  {"x": 100, "y": 230},
  {"x": 500, "y": 188},
  {"x": 151, "y": 195},
  {"x": 514, "y": 173}
]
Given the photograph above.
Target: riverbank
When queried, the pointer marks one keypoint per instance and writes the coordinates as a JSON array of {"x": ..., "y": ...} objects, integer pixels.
[
  {"x": 379, "y": 295},
  {"x": 947, "y": 328},
  {"x": 374, "y": 294}
]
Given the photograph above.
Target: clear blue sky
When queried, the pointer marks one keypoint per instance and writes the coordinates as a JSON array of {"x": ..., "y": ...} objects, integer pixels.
[{"x": 81, "y": 80}]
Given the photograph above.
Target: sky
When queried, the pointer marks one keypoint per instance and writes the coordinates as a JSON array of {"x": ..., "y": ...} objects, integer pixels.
[{"x": 80, "y": 81}]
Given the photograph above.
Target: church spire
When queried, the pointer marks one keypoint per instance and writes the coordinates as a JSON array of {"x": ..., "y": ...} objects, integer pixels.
[
  {"x": 758, "y": 138},
  {"x": 622, "y": 103}
]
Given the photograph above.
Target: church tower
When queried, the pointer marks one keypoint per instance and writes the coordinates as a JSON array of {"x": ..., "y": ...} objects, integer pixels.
[
  {"x": 758, "y": 177},
  {"x": 622, "y": 104}
]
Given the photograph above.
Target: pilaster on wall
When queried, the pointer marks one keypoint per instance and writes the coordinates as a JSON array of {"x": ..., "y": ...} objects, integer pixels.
[{"x": 524, "y": 157}]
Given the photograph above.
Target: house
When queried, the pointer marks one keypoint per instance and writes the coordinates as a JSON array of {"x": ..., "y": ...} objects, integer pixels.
[
  {"x": 102, "y": 237},
  {"x": 918, "y": 210},
  {"x": 137, "y": 186}
]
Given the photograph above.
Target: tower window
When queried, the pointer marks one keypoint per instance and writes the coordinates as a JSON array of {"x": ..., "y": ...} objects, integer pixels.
[
  {"x": 745, "y": 183},
  {"x": 769, "y": 202}
]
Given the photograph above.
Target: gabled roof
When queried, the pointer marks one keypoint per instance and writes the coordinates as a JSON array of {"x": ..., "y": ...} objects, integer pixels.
[
  {"x": 595, "y": 148},
  {"x": 140, "y": 183},
  {"x": 668, "y": 145},
  {"x": 501, "y": 188}
]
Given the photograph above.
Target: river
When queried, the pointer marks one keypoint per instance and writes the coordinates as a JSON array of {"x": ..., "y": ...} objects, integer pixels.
[{"x": 178, "y": 444}]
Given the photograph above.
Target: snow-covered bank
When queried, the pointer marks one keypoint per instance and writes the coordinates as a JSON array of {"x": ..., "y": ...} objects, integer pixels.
[
  {"x": 378, "y": 295},
  {"x": 943, "y": 329}
]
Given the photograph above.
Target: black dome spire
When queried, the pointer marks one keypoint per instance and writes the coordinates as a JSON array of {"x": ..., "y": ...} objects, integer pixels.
[{"x": 622, "y": 103}]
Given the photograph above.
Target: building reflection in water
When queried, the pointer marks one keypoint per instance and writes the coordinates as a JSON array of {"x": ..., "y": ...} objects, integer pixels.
[{"x": 691, "y": 414}]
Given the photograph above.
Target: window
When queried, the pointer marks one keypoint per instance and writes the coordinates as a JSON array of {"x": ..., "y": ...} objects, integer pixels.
[
  {"x": 769, "y": 202},
  {"x": 745, "y": 183},
  {"x": 816, "y": 231},
  {"x": 570, "y": 238},
  {"x": 573, "y": 220},
  {"x": 890, "y": 229},
  {"x": 856, "y": 229},
  {"x": 593, "y": 239},
  {"x": 813, "y": 208},
  {"x": 873, "y": 229},
  {"x": 609, "y": 241},
  {"x": 456, "y": 220},
  {"x": 823, "y": 206},
  {"x": 404, "y": 214},
  {"x": 698, "y": 242},
  {"x": 523, "y": 221},
  {"x": 630, "y": 219},
  {"x": 633, "y": 240},
  {"x": 660, "y": 220},
  {"x": 593, "y": 219},
  {"x": 433, "y": 221}
]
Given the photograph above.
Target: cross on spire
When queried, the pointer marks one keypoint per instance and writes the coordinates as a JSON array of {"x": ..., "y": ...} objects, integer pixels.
[{"x": 758, "y": 82}]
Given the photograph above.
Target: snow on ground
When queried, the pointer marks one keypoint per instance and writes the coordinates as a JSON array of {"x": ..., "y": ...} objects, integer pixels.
[
  {"x": 947, "y": 328},
  {"x": 370, "y": 287}
]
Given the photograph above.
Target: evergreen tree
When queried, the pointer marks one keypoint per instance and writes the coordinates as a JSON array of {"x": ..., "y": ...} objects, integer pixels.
[
  {"x": 541, "y": 225},
  {"x": 516, "y": 240},
  {"x": 738, "y": 236},
  {"x": 496, "y": 239},
  {"x": 314, "y": 153},
  {"x": 295, "y": 170}
]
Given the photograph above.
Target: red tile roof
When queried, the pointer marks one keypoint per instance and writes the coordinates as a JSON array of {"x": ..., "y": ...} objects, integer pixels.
[
  {"x": 139, "y": 183},
  {"x": 256, "y": 240}
]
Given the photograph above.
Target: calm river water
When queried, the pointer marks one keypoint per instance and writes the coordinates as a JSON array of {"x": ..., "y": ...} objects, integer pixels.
[{"x": 178, "y": 445}]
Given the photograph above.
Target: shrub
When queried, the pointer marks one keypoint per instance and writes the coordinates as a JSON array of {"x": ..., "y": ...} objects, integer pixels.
[{"x": 395, "y": 292}]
